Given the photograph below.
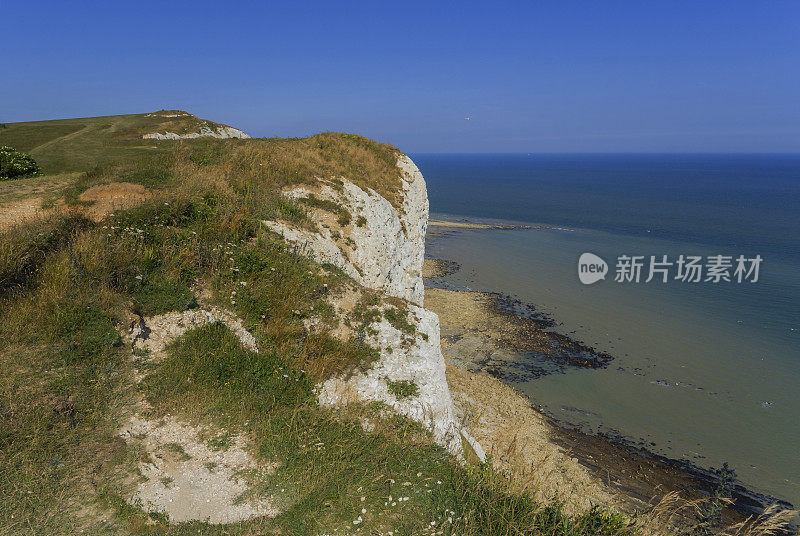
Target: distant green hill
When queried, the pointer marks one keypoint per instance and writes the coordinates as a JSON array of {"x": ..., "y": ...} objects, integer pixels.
[{"x": 79, "y": 144}]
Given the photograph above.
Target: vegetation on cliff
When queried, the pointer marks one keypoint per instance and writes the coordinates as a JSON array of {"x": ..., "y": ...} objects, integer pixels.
[{"x": 72, "y": 287}]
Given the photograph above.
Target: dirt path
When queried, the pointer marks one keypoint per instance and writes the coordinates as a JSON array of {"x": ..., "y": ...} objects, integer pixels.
[
  {"x": 69, "y": 136},
  {"x": 14, "y": 212},
  {"x": 24, "y": 202}
]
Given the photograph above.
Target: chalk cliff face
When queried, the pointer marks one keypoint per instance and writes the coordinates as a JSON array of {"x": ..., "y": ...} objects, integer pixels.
[
  {"x": 383, "y": 248},
  {"x": 386, "y": 247},
  {"x": 220, "y": 131}
]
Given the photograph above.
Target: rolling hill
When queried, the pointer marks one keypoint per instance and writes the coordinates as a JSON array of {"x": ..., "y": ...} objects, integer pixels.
[{"x": 65, "y": 145}]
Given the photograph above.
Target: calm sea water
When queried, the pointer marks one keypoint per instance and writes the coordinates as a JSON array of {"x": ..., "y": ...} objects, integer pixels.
[{"x": 704, "y": 372}]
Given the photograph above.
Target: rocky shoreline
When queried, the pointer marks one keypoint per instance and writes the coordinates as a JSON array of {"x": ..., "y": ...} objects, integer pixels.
[{"x": 488, "y": 341}]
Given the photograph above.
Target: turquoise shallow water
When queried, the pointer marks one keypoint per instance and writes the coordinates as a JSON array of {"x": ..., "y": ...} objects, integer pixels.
[{"x": 704, "y": 372}]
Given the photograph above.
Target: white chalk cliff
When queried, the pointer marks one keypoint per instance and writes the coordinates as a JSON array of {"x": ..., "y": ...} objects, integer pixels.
[
  {"x": 219, "y": 131},
  {"x": 385, "y": 252}
]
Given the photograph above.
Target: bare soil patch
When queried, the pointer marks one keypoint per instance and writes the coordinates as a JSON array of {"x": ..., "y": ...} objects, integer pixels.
[
  {"x": 103, "y": 199},
  {"x": 14, "y": 212}
]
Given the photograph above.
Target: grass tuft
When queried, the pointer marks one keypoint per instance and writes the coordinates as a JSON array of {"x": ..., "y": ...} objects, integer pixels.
[{"x": 402, "y": 388}]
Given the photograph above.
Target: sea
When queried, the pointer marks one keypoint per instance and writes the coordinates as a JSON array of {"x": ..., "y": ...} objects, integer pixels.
[{"x": 704, "y": 371}]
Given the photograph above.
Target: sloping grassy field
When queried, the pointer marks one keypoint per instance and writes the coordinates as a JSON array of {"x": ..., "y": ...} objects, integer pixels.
[{"x": 79, "y": 144}]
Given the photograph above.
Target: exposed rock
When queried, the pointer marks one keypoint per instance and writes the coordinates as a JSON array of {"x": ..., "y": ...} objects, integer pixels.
[
  {"x": 383, "y": 248},
  {"x": 219, "y": 131},
  {"x": 163, "y": 329},
  {"x": 168, "y": 113},
  {"x": 319, "y": 246},
  {"x": 187, "y": 480},
  {"x": 386, "y": 251},
  {"x": 418, "y": 360}
]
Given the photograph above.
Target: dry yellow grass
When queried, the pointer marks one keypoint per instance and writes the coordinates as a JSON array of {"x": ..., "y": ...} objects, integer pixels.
[{"x": 518, "y": 438}]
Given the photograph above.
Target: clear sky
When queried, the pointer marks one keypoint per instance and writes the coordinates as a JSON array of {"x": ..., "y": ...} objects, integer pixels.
[{"x": 534, "y": 76}]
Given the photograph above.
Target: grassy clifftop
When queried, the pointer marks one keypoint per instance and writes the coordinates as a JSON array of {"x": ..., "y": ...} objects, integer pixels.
[
  {"x": 76, "y": 144},
  {"x": 76, "y": 277}
]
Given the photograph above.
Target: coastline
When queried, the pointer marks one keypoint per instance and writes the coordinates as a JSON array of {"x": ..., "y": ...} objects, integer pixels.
[
  {"x": 472, "y": 225},
  {"x": 483, "y": 337}
]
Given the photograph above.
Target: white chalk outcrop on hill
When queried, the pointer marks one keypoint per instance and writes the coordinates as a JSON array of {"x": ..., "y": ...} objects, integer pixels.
[
  {"x": 188, "y": 480},
  {"x": 386, "y": 253},
  {"x": 419, "y": 361},
  {"x": 219, "y": 131}
]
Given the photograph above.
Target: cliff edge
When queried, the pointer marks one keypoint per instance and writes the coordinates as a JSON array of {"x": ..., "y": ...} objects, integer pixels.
[{"x": 382, "y": 247}]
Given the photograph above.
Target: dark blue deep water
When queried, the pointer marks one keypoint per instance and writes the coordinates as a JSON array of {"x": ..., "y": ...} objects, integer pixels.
[{"x": 751, "y": 201}]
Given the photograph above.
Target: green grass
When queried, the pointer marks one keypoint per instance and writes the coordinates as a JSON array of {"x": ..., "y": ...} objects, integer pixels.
[
  {"x": 62, "y": 365},
  {"x": 82, "y": 143},
  {"x": 402, "y": 388},
  {"x": 24, "y": 249},
  {"x": 159, "y": 294},
  {"x": 398, "y": 318},
  {"x": 328, "y": 463},
  {"x": 209, "y": 367},
  {"x": 68, "y": 287},
  {"x": 27, "y": 136},
  {"x": 331, "y": 206}
]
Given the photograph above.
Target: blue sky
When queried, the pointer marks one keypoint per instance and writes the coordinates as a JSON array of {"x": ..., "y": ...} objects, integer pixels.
[{"x": 532, "y": 76}]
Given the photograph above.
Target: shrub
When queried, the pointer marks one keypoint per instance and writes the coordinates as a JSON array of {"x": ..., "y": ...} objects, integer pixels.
[
  {"x": 402, "y": 388},
  {"x": 16, "y": 165}
]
